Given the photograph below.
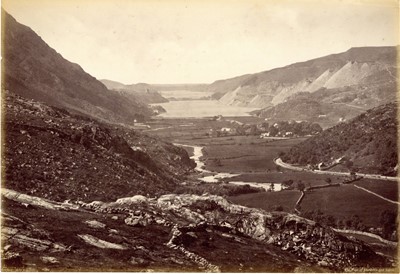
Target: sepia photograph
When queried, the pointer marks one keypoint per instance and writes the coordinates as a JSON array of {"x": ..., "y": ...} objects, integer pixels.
[{"x": 199, "y": 136}]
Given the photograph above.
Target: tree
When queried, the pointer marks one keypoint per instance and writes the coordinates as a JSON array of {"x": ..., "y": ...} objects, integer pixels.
[
  {"x": 288, "y": 183},
  {"x": 273, "y": 131},
  {"x": 388, "y": 222},
  {"x": 272, "y": 187},
  {"x": 300, "y": 186},
  {"x": 328, "y": 180}
]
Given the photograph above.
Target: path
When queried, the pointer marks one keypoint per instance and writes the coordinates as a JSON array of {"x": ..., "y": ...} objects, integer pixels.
[
  {"x": 377, "y": 195},
  {"x": 379, "y": 238},
  {"x": 279, "y": 162}
]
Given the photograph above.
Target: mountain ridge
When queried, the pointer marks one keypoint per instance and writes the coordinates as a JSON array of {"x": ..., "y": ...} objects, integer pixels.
[
  {"x": 34, "y": 70},
  {"x": 342, "y": 84}
]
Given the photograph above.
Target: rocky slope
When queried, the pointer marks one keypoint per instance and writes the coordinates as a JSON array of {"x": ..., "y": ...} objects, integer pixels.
[
  {"x": 170, "y": 233},
  {"x": 51, "y": 153},
  {"x": 142, "y": 92},
  {"x": 36, "y": 71},
  {"x": 360, "y": 78},
  {"x": 368, "y": 143}
]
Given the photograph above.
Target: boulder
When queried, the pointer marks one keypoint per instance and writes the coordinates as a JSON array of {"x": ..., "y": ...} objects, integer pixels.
[
  {"x": 137, "y": 199},
  {"x": 95, "y": 224},
  {"x": 49, "y": 260}
]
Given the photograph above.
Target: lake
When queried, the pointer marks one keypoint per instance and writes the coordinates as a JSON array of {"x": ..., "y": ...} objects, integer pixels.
[{"x": 202, "y": 108}]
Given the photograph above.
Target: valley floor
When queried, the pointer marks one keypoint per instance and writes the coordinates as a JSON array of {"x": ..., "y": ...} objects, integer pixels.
[
  {"x": 183, "y": 225},
  {"x": 253, "y": 160}
]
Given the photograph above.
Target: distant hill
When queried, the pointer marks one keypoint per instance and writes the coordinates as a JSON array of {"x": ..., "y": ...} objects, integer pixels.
[
  {"x": 142, "y": 92},
  {"x": 112, "y": 84},
  {"x": 169, "y": 87},
  {"x": 368, "y": 142},
  {"x": 355, "y": 80},
  {"x": 34, "y": 70}
]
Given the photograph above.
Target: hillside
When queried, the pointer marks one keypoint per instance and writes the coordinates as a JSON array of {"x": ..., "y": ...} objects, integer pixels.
[
  {"x": 52, "y": 153},
  {"x": 368, "y": 143},
  {"x": 358, "y": 78},
  {"x": 34, "y": 70},
  {"x": 142, "y": 92}
]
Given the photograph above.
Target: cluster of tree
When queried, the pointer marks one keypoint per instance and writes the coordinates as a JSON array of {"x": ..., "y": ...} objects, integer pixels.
[
  {"x": 387, "y": 226},
  {"x": 278, "y": 129},
  {"x": 292, "y": 128},
  {"x": 290, "y": 184},
  {"x": 372, "y": 136}
]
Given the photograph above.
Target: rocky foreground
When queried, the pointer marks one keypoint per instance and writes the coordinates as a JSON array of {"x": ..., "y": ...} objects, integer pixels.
[{"x": 169, "y": 233}]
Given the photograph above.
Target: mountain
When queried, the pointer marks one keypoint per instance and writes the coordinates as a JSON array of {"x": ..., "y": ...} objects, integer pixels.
[
  {"x": 142, "y": 92},
  {"x": 359, "y": 78},
  {"x": 34, "y": 70},
  {"x": 367, "y": 143}
]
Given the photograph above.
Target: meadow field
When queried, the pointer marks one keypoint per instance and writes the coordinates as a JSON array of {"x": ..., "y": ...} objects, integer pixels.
[
  {"x": 345, "y": 201},
  {"x": 269, "y": 200},
  {"x": 387, "y": 189}
]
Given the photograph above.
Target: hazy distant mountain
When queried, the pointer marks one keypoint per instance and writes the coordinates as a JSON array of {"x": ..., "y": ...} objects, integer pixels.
[
  {"x": 142, "y": 92},
  {"x": 190, "y": 87},
  {"x": 34, "y": 70},
  {"x": 360, "y": 77},
  {"x": 368, "y": 142}
]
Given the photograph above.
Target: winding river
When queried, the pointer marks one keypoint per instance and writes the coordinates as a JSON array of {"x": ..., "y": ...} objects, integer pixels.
[{"x": 214, "y": 177}]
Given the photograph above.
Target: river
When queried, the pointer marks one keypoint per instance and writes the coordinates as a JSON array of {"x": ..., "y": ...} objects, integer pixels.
[{"x": 214, "y": 177}]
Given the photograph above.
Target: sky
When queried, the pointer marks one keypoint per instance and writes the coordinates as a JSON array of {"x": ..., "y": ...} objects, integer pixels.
[{"x": 193, "y": 41}]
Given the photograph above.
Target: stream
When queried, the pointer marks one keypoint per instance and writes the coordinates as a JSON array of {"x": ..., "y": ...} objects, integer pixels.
[{"x": 214, "y": 177}]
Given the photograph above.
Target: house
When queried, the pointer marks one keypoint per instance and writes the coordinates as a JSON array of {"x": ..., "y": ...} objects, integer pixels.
[
  {"x": 264, "y": 135},
  {"x": 226, "y": 129}
]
